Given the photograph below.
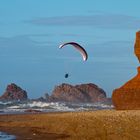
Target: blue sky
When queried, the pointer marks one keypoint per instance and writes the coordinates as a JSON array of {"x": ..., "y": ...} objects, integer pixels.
[{"x": 32, "y": 30}]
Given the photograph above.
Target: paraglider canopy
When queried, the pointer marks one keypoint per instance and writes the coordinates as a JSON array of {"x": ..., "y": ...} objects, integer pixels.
[{"x": 78, "y": 47}]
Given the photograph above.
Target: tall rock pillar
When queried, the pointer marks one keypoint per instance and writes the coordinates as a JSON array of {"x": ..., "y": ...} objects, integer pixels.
[{"x": 128, "y": 96}]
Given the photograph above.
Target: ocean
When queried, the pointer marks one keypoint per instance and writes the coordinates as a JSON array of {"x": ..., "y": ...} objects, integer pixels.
[
  {"x": 5, "y": 136},
  {"x": 30, "y": 106},
  {"x": 17, "y": 107}
]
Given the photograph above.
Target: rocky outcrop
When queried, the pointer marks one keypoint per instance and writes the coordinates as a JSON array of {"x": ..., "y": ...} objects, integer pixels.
[
  {"x": 128, "y": 96},
  {"x": 44, "y": 98},
  {"x": 32, "y": 111},
  {"x": 137, "y": 45},
  {"x": 78, "y": 93},
  {"x": 14, "y": 92}
]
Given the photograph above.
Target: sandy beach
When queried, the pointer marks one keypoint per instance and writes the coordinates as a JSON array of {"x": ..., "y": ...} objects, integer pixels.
[{"x": 97, "y": 125}]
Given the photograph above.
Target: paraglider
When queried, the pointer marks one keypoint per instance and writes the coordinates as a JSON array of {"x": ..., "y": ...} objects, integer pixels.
[
  {"x": 78, "y": 47},
  {"x": 66, "y": 75}
]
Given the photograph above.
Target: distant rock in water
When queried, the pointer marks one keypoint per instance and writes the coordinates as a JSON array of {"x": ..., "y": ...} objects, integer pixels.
[
  {"x": 44, "y": 98},
  {"x": 14, "y": 92},
  {"x": 78, "y": 93},
  {"x": 128, "y": 96},
  {"x": 32, "y": 111},
  {"x": 137, "y": 45}
]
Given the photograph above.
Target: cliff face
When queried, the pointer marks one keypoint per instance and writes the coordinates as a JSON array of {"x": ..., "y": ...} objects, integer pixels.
[
  {"x": 128, "y": 96},
  {"x": 137, "y": 46},
  {"x": 14, "y": 92},
  {"x": 79, "y": 93}
]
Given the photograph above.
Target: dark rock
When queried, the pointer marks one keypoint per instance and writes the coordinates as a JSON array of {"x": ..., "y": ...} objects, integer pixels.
[
  {"x": 78, "y": 93},
  {"x": 43, "y": 98},
  {"x": 14, "y": 92},
  {"x": 46, "y": 96},
  {"x": 32, "y": 111}
]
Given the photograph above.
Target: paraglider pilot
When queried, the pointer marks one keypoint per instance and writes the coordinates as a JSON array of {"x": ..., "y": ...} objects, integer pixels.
[{"x": 66, "y": 75}]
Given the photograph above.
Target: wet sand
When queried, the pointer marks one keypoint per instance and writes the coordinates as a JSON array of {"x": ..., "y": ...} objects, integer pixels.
[{"x": 95, "y": 125}]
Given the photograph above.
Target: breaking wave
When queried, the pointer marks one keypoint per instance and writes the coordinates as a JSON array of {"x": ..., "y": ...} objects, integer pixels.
[{"x": 22, "y": 106}]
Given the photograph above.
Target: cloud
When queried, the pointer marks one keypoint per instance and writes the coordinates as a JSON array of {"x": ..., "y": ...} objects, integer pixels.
[
  {"x": 98, "y": 20},
  {"x": 116, "y": 43},
  {"x": 114, "y": 51},
  {"x": 23, "y": 48}
]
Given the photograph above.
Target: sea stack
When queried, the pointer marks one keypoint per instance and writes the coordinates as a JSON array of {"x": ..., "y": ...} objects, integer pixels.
[
  {"x": 128, "y": 96},
  {"x": 14, "y": 92},
  {"x": 78, "y": 93}
]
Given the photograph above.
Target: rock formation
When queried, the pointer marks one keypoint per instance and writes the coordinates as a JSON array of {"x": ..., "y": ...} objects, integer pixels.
[
  {"x": 32, "y": 111},
  {"x": 14, "y": 92},
  {"x": 128, "y": 96},
  {"x": 137, "y": 46},
  {"x": 78, "y": 93},
  {"x": 43, "y": 98}
]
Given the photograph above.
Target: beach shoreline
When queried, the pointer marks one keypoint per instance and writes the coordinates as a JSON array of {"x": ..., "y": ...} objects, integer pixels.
[{"x": 97, "y": 125}]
